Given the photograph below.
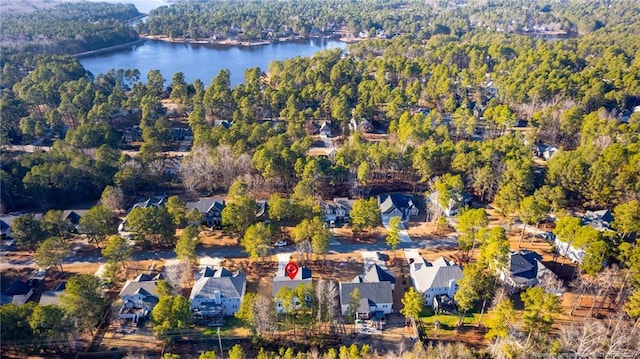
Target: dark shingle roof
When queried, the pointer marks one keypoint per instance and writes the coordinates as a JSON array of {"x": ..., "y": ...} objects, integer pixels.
[
  {"x": 375, "y": 293},
  {"x": 17, "y": 288},
  {"x": 389, "y": 202},
  {"x": 375, "y": 274},
  {"x": 204, "y": 205}
]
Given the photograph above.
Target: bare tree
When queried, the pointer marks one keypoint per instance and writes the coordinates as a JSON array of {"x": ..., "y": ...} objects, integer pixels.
[
  {"x": 197, "y": 169},
  {"x": 265, "y": 315},
  {"x": 113, "y": 199},
  {"x": 333, "y": 294},
  {"x": 179, "y": 275},
  {"x": 584, "y": 340},
  {"x": 321, "y": 294},
  {"x": 304, "y": 248}
]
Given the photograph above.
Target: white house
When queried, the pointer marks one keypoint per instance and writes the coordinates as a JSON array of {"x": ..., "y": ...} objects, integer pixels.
[
  {"x": 217, "y": 293},
  {"x": 157, "y": 201},
  {"x": 281, "y": 279},
  {"x": 337, "y": 210},
  {"x": 600, "y": 220},
  {"x": 431, "y": 279},
  {"x": 138, "y": 297},
  {"x": 565, "y": 249},
  {"x": 397, "y": 205},
  {"x": 461, "y": 200},
  {"x": 376, "y": 293}
]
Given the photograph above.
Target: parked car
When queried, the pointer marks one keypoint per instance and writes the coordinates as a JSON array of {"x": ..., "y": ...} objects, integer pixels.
[
  {"x": 549, "y": 236},
  {"x": 382, "y": 256},
  {"x": 281, "y": 243}
]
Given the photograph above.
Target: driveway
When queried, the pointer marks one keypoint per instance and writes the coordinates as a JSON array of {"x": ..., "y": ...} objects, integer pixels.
[
  {"x": 369, "y": 258},
  {"x": 404, "y": 235}
]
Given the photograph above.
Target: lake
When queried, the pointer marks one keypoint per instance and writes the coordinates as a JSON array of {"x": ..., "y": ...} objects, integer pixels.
[
  {"x": 202, "y": 62},
  {"x": 198, "y": 61}
]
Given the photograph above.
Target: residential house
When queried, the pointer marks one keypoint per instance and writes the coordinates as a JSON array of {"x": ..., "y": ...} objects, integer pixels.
[
  {"x": 73, "y": 216},
  {"x": 52, "y": 297},
  {"x": 525, "y": 270},
  {"x": 261, "y": 213},
  {"x": 325, "y": 130},
  {"x": 458, "y": 201},
  {"x": 397, "y": 205},
  {"x": 545, "y": 151},
  {"x": 600, "y": 220},
  {"x": 6, "y": 221},
  {"x": 567, "y": 250},
  {"x": 217, "y": 293},
  {"x": 431, "y": 279},
  {"x": 139, "y": 296},
  {"x": 281, "y": 279},
  {"x": 337, "y": 210},
  {"x": 18, "y": 293},
  {"x": 211, "y": 209},
  {"x": 362, "y": 125},
  {"x": 156, "y": 201},
  {"x": 376, "y": 293}
]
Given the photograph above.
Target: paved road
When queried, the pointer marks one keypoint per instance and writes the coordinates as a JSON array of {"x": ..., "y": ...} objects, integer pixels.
[{"x": 233, "y": 252}]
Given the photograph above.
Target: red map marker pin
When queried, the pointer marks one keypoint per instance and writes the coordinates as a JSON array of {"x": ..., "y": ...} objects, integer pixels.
[{"x": 291, "y": 269}]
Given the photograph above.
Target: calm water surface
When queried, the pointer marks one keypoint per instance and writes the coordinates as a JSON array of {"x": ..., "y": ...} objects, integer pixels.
[
  {"x": 198, "y": 61},
  {"x": 202, "y": 61}
]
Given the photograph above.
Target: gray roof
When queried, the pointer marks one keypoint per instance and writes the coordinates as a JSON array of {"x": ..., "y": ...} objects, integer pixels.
[
  {"x": 524, "y": 266},
  {"x": 600, "y": 220},
  {"x": 523, "y": 261},
  {"x": 281, "y": 280},
  {"x": 143, "y": 284},
  {"x": 389, "y": 202},
  {"x": 375, "y": 274},
  {"x": 156, "y": 201},
  {"x": 435, "y": 275},
  {"x": 204, "y": 205},
  {"x": 375, "y": 293},
  {"x": 230, "y": 285},
  {"x": 52, "y": 297}
]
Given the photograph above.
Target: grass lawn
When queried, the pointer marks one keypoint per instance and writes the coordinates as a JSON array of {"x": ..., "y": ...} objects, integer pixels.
[
  {"x": 448, "y": 321},
  {"x": 233, "y": 328}
]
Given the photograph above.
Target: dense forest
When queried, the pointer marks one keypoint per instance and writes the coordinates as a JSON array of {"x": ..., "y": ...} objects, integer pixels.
[
  {"x": 68, "y": 28},
  {"x": 459, "y": 98}
]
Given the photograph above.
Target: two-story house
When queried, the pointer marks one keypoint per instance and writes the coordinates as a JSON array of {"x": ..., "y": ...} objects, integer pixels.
[
  {"x": 375, "y": 289},
  {"x": 281, "y": 279},
  {"x": 436, "y": 278},
  {"x": 156, "y": 201},
  {"x": 211, "y": 209},
  {"x": 217, "y": 293},
  {"x": 336, "y": 211},
  {"x": 397, "y": 205},
  {"x": 525, "y": 270},
  {"x": 139, "y": 296}
]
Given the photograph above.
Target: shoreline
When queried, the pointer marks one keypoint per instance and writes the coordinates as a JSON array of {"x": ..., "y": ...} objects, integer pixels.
[
  {"x": 110, "y": 48},
  {"x": 230, "y": 42}
]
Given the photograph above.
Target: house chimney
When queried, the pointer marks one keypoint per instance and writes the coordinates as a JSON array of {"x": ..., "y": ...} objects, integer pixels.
[{"x": 216, "y": 297}]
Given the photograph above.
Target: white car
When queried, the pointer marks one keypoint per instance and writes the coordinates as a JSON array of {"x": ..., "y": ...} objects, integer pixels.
[{"x": 281, "y": 243}]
